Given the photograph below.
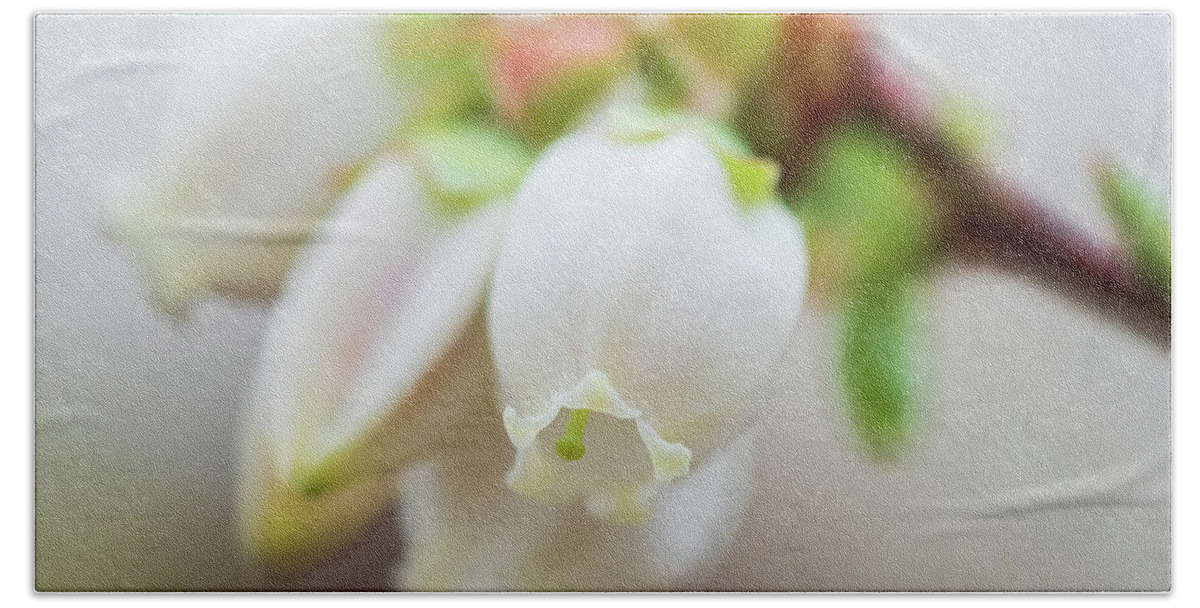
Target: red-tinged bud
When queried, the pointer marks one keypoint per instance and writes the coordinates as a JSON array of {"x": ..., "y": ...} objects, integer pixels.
[{"x": 547, "y": 72}]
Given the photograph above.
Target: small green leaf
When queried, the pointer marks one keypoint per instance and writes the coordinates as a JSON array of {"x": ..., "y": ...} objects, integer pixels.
[
  {"x": 752, "y": 179},
  {"x": 667, "y": 87},
  {"x": 1141, "y": 222},
  {"x": 878, "y": 372},
  {"x": 468, "y": 165},
  {"x": 563, "y": 104},
  {"x": 865, "y": 188},
  {"x": 441, "y": 59},
  {"x": 965, "y": 125},
  {"x": 869, "y": 199}
]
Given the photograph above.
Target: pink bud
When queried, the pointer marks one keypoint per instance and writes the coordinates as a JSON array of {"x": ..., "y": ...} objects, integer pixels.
[{"x": 535, "y": 52}]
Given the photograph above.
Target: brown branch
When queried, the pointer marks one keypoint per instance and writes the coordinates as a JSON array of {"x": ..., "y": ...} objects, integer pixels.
[{"x": 989, "y": 222}]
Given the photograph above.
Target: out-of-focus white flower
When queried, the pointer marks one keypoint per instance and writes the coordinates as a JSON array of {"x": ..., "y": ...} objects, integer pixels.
[
  {"x": 647, "y": 283},
  {"x": 265, "y": 137},
  {"x": 464, "y": 530},
  {"x": 370, "y": 357}
]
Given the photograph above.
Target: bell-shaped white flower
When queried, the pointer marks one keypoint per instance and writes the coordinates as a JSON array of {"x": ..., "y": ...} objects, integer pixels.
[
  {"x": 271, "y": 126},
  {"x": 647, "y": 282}
]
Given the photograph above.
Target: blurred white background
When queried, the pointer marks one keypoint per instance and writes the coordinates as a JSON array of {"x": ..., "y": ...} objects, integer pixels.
[{"x": 1044, "y": 454}]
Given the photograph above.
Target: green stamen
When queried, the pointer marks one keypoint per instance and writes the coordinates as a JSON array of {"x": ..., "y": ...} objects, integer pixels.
[{"x": 570, "y": 445}]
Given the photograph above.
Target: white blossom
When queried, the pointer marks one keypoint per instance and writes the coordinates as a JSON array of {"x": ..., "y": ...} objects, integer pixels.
[
  {"x": 639, "y": 293},
  {"x": 271, "y": 126}
]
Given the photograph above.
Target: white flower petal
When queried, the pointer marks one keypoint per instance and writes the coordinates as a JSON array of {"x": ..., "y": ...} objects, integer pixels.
[
  {"x": 631, "y": 282},
  {"x": 265, "y": 136},
  {"x": 465, "y": 531},
  {"x": 698, "y": 518},
  {"x": 372, "y": 348},
  {"x": 670, "y": 460},
  {"x": 612, "y": 479}
]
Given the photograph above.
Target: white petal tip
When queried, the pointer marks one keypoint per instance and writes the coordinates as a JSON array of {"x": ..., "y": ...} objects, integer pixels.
[
  {"x": 671, "y": 461},
  {"x": 523, "y": 431},
  {"x": 596, "y": 392},
  {"x": 532, "y": 476}
]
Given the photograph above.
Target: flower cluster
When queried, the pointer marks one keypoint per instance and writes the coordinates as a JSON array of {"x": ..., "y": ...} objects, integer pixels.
[{"x": 529, "y": 286}]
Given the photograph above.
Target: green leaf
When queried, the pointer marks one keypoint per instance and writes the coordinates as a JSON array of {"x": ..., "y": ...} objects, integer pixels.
[
  {"x": 667, "y": 87},
  {"x": 868, "y": 196},
  {"x": 876, "y": 362},
  {"x": 564, "y": 103},
  {"x": 752, "y": 179},
  {"x": 871, "y": 193},
  {"x": 468, "y": 165},
  {"x": 441, "y": 58},
  {"x": 1141, "y": 221},
  {"x": 965, "y": 125}
]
